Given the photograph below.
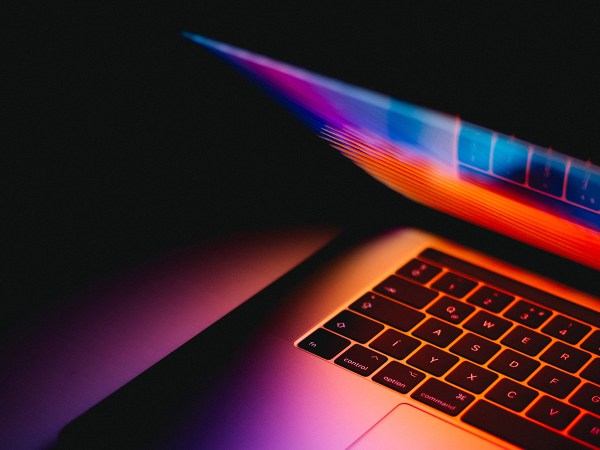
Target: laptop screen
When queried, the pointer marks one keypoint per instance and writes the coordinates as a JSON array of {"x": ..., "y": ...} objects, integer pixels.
[{"x": 534, "y": 194}]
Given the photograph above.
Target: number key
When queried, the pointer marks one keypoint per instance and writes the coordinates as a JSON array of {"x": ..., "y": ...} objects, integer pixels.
[
  {"x": 528, "y": 314},
  {"x": 455, "y": 285},
  {"x": 566, "y": 329},
  {"x": 420, "y": 271},
  {"x": 490, "y": 299}
]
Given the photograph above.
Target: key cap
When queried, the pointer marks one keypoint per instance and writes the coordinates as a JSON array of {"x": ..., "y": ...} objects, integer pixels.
[
  {"x": 510, "y": 394},
  {"x": 566, "y": 329},
  {"x": 588, "y": 397},
  {"x": 509, "y": 159},
  {"x": 474, "y": 147},
  {"x": 323, "y": 343},
  {"x": 475, "y": 348},
  {"x": 528, "y": 314},
  {"x": 419, "y": 271},
  {"x": 552, "y": 412},
  {"x": 583, "y": 187},
  {"x": 587, "y": 429},
  {"x": 526, "y": 340},
  {"x": 395, "y": 344},
  {"x": 554, "y": 382},
  {"x": 360, "y": 360},
  {"x": 453, "y": 284},
  {"x": 399, "y": 377},
  {"x": 442, "y": 396},
  {"x": 515, "y": 429},
  {"x": 547, "y": 173},
  {"x": 565, "y": 357},
  {"x": 471, "y": 377},
  {"x": 592, "y": 371},
  {"x": 354, "y": 326},
  {"x": 388, "y": 311},
  {"x": 437, "y": 332},
  {"x": 514, "y": 365},
  {"x": 406, "y": 291},
  {"x": 592, "y": 343},
  {"x": 432, "y": 360},
  {"x": 450, "y": 310},
  {"x": 488, "y": 325},
  {"x": 490, "y": 299}
]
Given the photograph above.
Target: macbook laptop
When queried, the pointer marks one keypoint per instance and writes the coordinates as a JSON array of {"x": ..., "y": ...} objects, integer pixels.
[{"x": 400, "y": 338}]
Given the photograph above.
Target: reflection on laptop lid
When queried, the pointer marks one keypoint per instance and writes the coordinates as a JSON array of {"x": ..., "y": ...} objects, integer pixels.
[
  {"x": 404, "y": 340},
  {"x": 536, "y": 195}
]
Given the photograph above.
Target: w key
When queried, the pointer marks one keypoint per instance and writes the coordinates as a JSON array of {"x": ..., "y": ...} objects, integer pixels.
[{"x": 488, "y": 325}]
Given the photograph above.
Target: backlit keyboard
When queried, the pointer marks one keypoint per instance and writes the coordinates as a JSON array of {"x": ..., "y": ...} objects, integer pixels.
[{"x": 500, "y": 355}]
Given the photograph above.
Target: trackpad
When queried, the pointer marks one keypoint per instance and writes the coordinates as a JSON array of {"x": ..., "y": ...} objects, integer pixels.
[{"x": 409, "y": 427}]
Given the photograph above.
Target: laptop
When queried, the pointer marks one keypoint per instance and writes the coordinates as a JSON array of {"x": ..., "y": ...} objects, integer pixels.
[{"x": 400, "y": 338}]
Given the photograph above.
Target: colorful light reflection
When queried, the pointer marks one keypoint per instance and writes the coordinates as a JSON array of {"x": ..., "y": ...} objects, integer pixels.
[{"x": 536, "y": 195}]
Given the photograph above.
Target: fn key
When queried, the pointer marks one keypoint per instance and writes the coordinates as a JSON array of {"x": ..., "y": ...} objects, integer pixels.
[{"x": 324, "y": 343}]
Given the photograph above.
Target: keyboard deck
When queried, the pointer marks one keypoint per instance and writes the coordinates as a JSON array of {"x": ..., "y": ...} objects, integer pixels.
[{"x": 499, "y": 355}]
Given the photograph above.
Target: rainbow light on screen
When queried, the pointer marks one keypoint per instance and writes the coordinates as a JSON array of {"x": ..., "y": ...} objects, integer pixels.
[{"x": 532, "y": 194}]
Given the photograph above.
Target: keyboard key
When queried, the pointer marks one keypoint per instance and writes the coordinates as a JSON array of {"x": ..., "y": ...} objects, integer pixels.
[
  {"x": 528, "y": 314},
  {"x": 354, "y": 326},
  {"x": 547, "y": 174},
  {"x": 490, "y": 299},
  {"x": 566, "y": 329},
  {"x": 514, "y": 365},
  {"x": 526, "y": 340},
  {"x": 475, "y": 348},
  {"x": 432, "y": 360},
  {"x": 450, "y": 310},
  {"x": 474, "y": 147},
  {"x": 395, "y": 344},
  {"x": 324, "y": 343},
  {"x": 453, "y": 284},
  {"x": 519, "y": 431},
  {"x": 442, "y": 396},
  {"x": 419, "y": 271},
  {"x": 565, "y": 357},
  {"x": 472, "y": 377},
  {"x": 488, "y": 325},
  {"x": 588, "y": 430},
  {"x": 583, "y": 187},
  {"x": 554, "y": 381},
  {"x": 437, "y": 332},
  {"x": 388, "y": 311},
  {"x": 552, "y": 412},
  {"x": 509, "y": 159},
  {"x": 360, "y": 360},
  {"x": 406, "y": 291},
  {"x": 592, "y": 371},
  {"x": 512, "y": 395},
  {"x": 588, "y": 397},
  {"x": 399, "y": 377},
  {"x": 592, "y": 343}
]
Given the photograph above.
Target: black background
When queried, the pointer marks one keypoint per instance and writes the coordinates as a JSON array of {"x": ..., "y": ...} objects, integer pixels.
[{"x": 125, "y": 142}]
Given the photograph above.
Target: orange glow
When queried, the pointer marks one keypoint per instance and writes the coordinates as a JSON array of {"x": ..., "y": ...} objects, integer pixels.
[{"x": 427, "y": 183}]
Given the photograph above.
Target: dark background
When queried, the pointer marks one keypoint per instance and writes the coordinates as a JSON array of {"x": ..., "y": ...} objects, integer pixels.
[{"x": 125, "y": 142}]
